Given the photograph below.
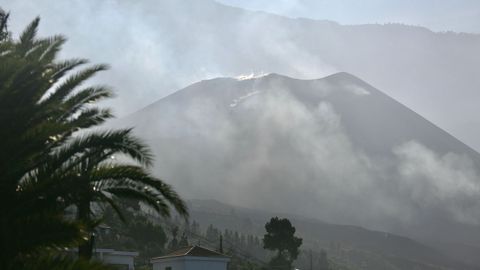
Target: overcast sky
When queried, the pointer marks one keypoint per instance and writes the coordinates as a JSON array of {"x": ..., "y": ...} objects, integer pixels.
[{"x": 438, "y": 15}]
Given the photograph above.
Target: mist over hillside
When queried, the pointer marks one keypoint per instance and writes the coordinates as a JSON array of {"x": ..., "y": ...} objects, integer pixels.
[
  {"x": 166, "y": 45},
  {"x": 335, "y": 149},
  {"x": 351, "y": 245}
]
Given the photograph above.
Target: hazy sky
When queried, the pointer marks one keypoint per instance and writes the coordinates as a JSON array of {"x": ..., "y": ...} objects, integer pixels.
[{"x": 438, "y": 15}]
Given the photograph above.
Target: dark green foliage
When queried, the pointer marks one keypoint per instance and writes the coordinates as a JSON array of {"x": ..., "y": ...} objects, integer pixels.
[
  {"x": 32, "y": 211},
  {"x": 47, "y": 165},
  {"x": 281, "y": 237},
  {"x": 137, "y": 234}
]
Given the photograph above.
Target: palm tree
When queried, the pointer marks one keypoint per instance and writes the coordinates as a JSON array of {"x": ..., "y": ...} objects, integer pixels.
[
  {"x": 30, "y": 219},
  {"x": 91, "y": 175},
  {"x": 45, "y": 166}
]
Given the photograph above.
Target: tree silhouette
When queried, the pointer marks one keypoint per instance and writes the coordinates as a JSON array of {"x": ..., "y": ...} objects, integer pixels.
[
  {"x": 281, "y": 237},
  {"x": 46, "y": 165}
]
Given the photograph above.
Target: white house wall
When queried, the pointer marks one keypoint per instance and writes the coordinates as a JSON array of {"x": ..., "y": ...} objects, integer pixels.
[
  {"x": 191, "y": 263},
  {"x": 176, "y": 265},
  {"x": 205, "y": 265}
]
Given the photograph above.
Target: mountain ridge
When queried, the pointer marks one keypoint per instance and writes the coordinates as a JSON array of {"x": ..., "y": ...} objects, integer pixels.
[
  {"x": 334, "y": 148},
  {"x": 344, "y": 76},
  {"x": 335, "y": 23}
]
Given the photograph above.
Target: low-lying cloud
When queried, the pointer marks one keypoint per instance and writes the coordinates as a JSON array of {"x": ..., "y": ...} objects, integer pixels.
[
  {"x": 272, "y": 151},
  {"x": 445, "y": 183}
]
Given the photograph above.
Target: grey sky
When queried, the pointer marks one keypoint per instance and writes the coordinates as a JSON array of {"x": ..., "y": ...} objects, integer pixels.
[{"x": 438, "y": 15}]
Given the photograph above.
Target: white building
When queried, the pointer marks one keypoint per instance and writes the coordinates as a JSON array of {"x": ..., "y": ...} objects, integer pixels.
[
  {"x": 122, "y": 260},
  {"x": 191, "y": 258}
]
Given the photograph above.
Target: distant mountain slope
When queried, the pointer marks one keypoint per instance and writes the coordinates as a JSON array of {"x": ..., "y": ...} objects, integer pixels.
[
  {"x": 355, "y": 246},
  {"x": 377, "y": 122},
  {"x": 334, "y": 148}
]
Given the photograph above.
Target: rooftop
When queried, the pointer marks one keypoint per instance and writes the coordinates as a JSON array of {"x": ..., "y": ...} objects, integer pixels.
[{"x": 193, "y": 251}]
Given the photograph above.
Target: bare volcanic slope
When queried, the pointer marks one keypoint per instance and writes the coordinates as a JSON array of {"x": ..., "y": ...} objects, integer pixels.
[{"x": 335, "y": 148}]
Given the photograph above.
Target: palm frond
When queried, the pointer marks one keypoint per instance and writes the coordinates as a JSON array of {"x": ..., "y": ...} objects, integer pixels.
[
  {"x": 114, "y": 174},
  {"x": 58, "y": 70},
  {"x": 85, "y": 97},
  {"x": 106, "y": 197},
  {"x": 46, "y": 166},
  {"x": 45, "y": 50},
  {"x": 100, "y": 145},
  {"x": 142, "y": 195},
  {"x": 56, "y": 43},
  {"x": 91, "y": 117},
  {"x": 27, "y": 38},
  {"x": 68, "y": 86}
]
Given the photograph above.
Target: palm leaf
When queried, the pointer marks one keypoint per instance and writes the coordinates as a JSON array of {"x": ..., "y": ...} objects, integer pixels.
[
  {"x": 68, "y": 86},
  {"x": 28, "y": 36}
]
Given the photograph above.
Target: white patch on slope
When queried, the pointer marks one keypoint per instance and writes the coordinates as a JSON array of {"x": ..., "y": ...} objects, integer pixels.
[
  {"x": 358, "y": 90},
  {"x": 236, "y": 101},
  {"x": 250, "y": 76}
]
